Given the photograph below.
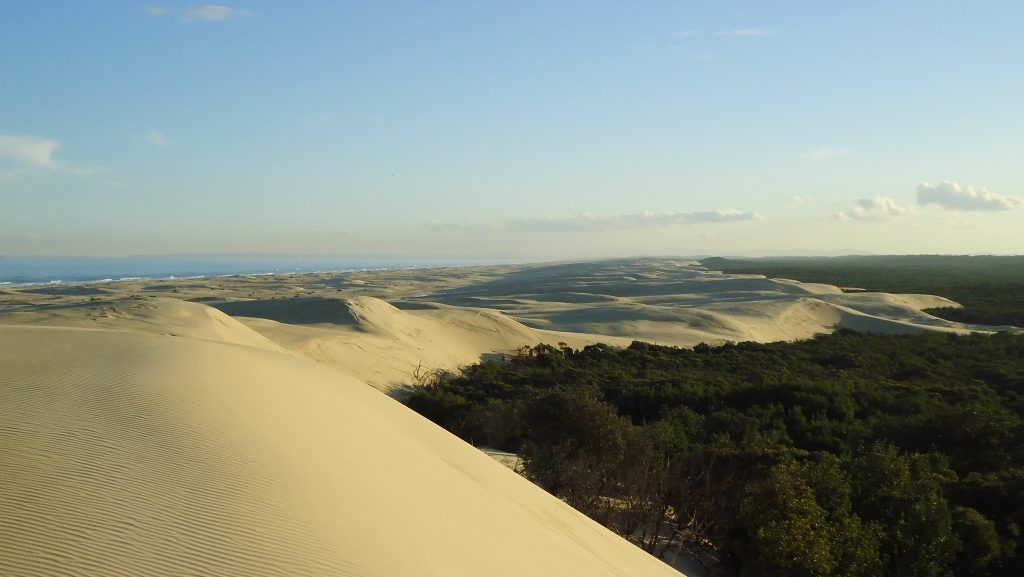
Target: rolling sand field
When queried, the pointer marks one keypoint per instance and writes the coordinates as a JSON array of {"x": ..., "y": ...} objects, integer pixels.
[{"x": 224, "y": 426}]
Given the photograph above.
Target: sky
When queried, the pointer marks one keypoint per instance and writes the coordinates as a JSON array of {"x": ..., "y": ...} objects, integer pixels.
[{"x": 511, "y": 129}]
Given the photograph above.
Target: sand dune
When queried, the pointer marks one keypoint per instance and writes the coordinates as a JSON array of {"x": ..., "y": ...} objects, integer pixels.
[
  {"x": 157, "y": 315},
  {"x": 387, "y": 347},
  {"x": 386, "y": 327},
  {"x": 134, "y": 454},
  {"x": 225, "y": 427}
]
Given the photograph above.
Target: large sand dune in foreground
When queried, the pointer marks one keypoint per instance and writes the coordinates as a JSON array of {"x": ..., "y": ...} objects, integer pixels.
[
  {"x": 126, "y": 453},
  {"x": 225, "y": 426}
]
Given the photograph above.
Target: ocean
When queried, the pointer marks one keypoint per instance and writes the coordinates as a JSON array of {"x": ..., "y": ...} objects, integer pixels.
[{"x": 17, "y": 270}]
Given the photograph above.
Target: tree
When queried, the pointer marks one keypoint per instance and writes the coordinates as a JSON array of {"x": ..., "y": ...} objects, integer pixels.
[
  {"x": 903, "y": 495},
  {"x": 800, "y": 523},
  {"x": 979, "y": 541},
  {"x": 574, "y": 446}
]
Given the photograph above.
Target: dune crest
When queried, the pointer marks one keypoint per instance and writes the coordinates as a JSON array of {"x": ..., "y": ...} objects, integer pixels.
[
  {"x": 158, "y": 315},
  {"x": 389, "y": 347},
  {"x": 127, "y": 453}
]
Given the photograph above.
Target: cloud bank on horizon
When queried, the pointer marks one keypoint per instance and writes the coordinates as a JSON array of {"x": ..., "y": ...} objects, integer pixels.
[{"x": 587, "y": 222}]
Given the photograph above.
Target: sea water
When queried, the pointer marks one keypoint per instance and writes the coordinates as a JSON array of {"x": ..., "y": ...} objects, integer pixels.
[{"x": 15, "y": 270}]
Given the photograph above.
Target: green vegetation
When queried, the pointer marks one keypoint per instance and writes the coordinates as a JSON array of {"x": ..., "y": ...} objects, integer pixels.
[
  {"x": 991, "y": 288},
  {"x": 848, "y": 454}
]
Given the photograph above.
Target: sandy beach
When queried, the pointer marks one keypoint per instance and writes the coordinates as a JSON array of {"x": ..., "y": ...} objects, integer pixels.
[{"x": 225, "y": 426}]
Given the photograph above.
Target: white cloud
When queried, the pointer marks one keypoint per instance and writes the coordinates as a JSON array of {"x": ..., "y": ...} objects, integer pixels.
[
  {"x": 214, "y": 12},
  {"x": 30, "y": 150},
  {"x": 588, "y": 222},
  {"x": 826, "y": 153},
  {"x": 686, "y": 33},
  {"x": 749, "y": 32},
  {"x": 875, "y": 209},
  {"x": 702, "y": 56},
  {"x": 955, "y": 197},
  {"x": 157, "y": 138},
  {"x": 798, "y": 199},
  {"x": 36, "y": 152},
  {"x": 718, "y": 215},
  {"x": 207, "y": 12}
]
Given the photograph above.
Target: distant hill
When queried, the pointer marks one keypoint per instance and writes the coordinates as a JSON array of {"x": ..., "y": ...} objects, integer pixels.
[{"x": 990, "y": 288}]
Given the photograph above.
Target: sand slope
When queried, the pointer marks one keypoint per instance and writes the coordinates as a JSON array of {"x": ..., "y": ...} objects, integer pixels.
[
  {"x": 375, "y": 342},
  {"x": 127, "y": 453},
  {"x": 225, "y": 426},
  {"x": 387, "y": 327},
  {"x": 458, "y": 319},
  {"x": 674, "y": 302},
  {"x": 158, "y": 315}
]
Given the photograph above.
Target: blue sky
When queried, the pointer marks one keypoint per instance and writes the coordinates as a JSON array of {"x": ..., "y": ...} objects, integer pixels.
[{"x": 526, "y": 129}]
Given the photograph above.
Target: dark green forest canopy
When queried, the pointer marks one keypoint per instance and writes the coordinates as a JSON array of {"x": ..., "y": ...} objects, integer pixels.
[
  {"x": 991, "y": 288},
  {"x": 848, "y": 454}
]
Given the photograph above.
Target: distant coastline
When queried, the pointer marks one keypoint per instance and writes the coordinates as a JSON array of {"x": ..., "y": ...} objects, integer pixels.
[{"x": 32, "y": 270}]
